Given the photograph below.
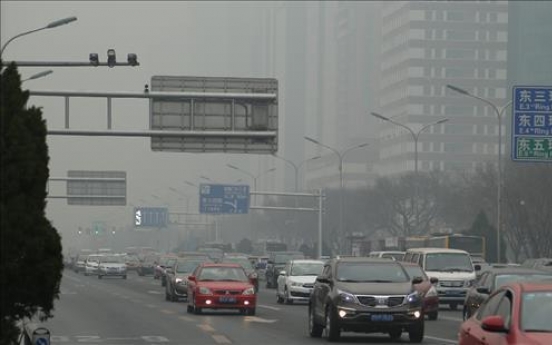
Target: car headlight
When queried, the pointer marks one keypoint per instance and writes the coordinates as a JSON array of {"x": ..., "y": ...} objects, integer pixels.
[
  {"x": 470, "y": 282},
  {"x": 178, "y": 280},
  {"x": 253, "y": 275},
  {"x": 249, "y": 291},
  {"x": 431, "y": 292},
  {"x": 205, "y": 291},
  {"x": 295, "y": 283},
  {"x": 413, "y": 298},
  {"x": 346, "y": 297}
]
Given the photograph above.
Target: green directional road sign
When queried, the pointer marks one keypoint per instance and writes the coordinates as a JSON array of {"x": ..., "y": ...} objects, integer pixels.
[{"x": 534, "y": 148}]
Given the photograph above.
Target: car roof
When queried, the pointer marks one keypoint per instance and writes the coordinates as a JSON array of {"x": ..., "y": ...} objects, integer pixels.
[
  {"x": 354, "y": 259},
  {"x": 220, "y": 264},
  {"x": 387, "y": 252},
  {"x": 414, "y": 264},
  {"x": 516, "y": 270},
  {"x": 532, "y": 286},
  {"x": 436, "y": 250},
  {"x": 307, "y": 261}
]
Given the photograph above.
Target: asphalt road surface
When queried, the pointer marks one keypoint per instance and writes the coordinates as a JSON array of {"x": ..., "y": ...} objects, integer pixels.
[{"x": 134, "y": 311}]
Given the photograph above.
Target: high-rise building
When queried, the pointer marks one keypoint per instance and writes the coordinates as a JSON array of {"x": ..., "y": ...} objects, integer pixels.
[{"x": 425, "y": 46}]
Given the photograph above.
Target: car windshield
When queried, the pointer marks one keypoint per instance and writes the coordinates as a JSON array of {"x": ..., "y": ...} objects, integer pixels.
[
  {"x": 111, "y": 260},
  {"x": 370, "y": 272},
  {"x": 307, "y": 269},
  {"x": 503, "y": 279},
  {"x": 222, "y": 274},
  {"x": 448, "y": 262},
  {"x": 535, "y": 311},
  {"x": 414, "y": 271}
]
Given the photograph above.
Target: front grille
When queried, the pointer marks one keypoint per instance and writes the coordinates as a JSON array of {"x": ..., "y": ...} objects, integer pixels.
[
  {"x": 300, "y": 294},
  {"x": 451, "y": 283},
  {"x": 227, "y": 292},
  {"x": 308, "y": 286},
  {"x": 381, "y": 301}
]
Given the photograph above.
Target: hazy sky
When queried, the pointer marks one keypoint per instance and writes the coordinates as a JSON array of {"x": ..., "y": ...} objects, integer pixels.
[{"x": 170, "y": 38}]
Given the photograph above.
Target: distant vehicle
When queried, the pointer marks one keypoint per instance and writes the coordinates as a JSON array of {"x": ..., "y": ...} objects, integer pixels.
[
  {"x": 516, "y": 313},
  {"x": 80, "y": 260},
  {"x": 177, "y": 277},
  {"x": 276, "y": 263},
  {"x": 474, "y": 245},
  {"x": 112, "y": 266},
  {"x": 147, "y": 265},
  {"x": 493, "y": 279},
  {"x": 265, "y": 247},
  {"x": 221, "y": 286},
  {"x": 426, "y": 289},
  {"x": 367, "y": 295},
  {"x": 387, "y": 254},
  {"x": 132, "y": 262},
  {"x": 296, "y": 281},
  {"x": 91, "y": 264},
  {"x": 453, "y": 268},
  {"x": 539, "y": 263},
  {"x": 216, "y": 254},
  {"x": 163, "y": 263}
]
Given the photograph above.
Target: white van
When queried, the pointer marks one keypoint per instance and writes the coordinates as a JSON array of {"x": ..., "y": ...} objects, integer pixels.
[
  {"x": 453, "y": 268},
  {"x": 387, "y": 254}
]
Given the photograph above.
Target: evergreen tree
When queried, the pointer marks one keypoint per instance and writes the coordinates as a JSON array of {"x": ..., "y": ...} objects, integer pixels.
[
  {"x": 482, "y": 227},
  {"x": 31, "y": 260}
]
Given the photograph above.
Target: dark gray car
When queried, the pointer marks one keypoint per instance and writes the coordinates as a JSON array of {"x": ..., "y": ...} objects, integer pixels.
[{"x": 367, "y": 295}]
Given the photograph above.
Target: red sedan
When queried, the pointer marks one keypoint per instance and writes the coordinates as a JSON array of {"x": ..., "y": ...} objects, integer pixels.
[
  {"x": 426, "y": 288},
  {"x": 221, "y": 286},
  {"x": 516, "y": 313}
]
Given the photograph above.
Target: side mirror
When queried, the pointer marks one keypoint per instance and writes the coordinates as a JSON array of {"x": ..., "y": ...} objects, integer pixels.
[
  {"x": 483, "y": 289},
  {"x": 192, "y": 278},
  {"x": 282, "y": 273},
  {"x": 322, "y": 279},
  {"x": 477, "y": 267},
  {"x": 493, "y": 323},
  {"x": 433, "y": 280},
  {"x": 417, "y": 280}
]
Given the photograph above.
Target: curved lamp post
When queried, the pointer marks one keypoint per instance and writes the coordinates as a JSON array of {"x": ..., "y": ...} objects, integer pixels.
[
  {"x": 296, "y": 167},
  {"x": 499, "y": 111},
  {"x": 39, "y": 75},
  {"x": 52, "y": 25}
]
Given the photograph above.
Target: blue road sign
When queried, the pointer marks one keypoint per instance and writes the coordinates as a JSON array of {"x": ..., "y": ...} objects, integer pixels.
[
  {"x": 532, "y": 123},
  {"x": 156, "y": 217},
  {"x": 42, "y": 341},
  {"x": 223, "y": 199}
]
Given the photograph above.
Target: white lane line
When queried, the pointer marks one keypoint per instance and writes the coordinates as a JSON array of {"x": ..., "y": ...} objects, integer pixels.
[
  {"x": 221, "y": 339},
  {"x": 186, "y": 318},
  {"x": 268, "y": 307},
  {"x": 206, "y": 327},
  {"x": 448, "y": 341},
  {"x": 258, "y": 319},
  {"x": 154, "y": 292},
  {"x": 166, "y": 311},
  {"x": 450, "y": 318}
]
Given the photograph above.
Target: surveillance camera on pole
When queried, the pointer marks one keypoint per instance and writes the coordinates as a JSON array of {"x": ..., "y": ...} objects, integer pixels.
[
  {"x": 111, "y": 59},
  {"x": 132, "y": 59},
  {"x": 94, "y": 59}
]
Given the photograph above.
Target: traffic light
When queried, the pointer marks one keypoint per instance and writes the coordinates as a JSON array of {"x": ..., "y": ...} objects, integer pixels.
[{"x": 111, "y": 59}]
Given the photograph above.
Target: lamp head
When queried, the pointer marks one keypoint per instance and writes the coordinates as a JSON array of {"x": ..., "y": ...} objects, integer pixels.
[{"x": 111, "y": 58}]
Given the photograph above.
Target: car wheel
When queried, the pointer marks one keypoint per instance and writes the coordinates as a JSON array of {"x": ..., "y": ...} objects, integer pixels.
[
  {"x": 416, "y": 332},
  {"x": 190, "y": 309},
  {"x": 140, "y": 273},
  {"x": 167, "y": 296},
  {"x": 315, "y": 329},
  {"x": 279, "y": 299},
  {"x": 251, "y": 311},
  {"x": 99, "y": 276},
  {"x": 163, "y": 282},
  {"x": 197, "y": 310},
  {"x": 433, "y": 315},
  {"x": 124, "y": 277},
  {"x": 395, "y": 334},
  {"x": 465, "y": 313},
  {"x": 453, "y": 306},
  {"x": 332, "y": 330}
]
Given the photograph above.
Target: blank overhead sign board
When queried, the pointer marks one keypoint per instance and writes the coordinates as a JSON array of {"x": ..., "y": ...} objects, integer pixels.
[
  {"x": 234, "y": 115},
  {"x": 97, "y": 188}
]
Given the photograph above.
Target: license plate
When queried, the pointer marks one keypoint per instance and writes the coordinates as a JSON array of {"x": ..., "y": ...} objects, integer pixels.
[
  {"x": 226, "y": 299},
  {"x": 382, "y": 317},
  {"x": 451, "y": 292}
]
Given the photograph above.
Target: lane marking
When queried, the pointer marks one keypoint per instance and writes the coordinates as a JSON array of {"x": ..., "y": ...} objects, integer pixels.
[
  {"x": 166, "y": 311},
  {"x": 221, "y": 339},
  {"x": 155, "y": 292},
  {"x": 186, "y": 318},
  {"x": 448, "y": 341},
  {"x": 268, "y": 307},
  {"x": 206, "y": 327},
  {"x": 258, "y": 319}
]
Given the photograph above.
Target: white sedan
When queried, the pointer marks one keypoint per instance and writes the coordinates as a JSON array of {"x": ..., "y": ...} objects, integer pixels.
[{"x": 296, "y": 280}]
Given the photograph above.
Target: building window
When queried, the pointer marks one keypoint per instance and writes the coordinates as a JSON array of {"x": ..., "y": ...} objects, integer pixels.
[
  {"x": 461, "y": 35},
  {"x": 464, "y": 54},
  {"x": 459, "y": 73},
  {"x": 456, "y": 16}
]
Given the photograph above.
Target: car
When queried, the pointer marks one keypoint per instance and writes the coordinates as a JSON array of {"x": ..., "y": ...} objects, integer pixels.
[
  {"x": 539, "y": 263},
  {"x": 80, "y": 263},
  {"x": 132, "y": 262},
  {"x": 244, "y": 261},
  {"x": 177, "y": 277},
  {"x": 91, "y": 264},
  {"x": 112, "y": 266},
  {"x": 221, "y": 286},
  {"x": 366, "y": 295},
  {"x": 516, "y": 313},
  {"x": 159, "y": 270},
  {"x": 493, "y": 279},
  {"x": 453, "y": 268},
  {"x": 276, "y": 263},
  {"x": 426, "y": 288},
  {"x": 389, "y": 254},
  {"x": 147, "y": 265},
  {"x": 296, "y": 281}
]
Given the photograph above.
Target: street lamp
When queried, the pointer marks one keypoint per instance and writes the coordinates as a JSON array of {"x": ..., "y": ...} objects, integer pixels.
[
  {"x": 415, "y": 135},
  {"x": 190, "y": 184},
  {"x": 341, "y": 157},
  {"x": 251, "y": 175},
  {"x": 499, "y": 111},
  {"x": 52, "y": 25},
  {"x": 38, "y": 75},
  {"x": 296, "y": 167}
]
